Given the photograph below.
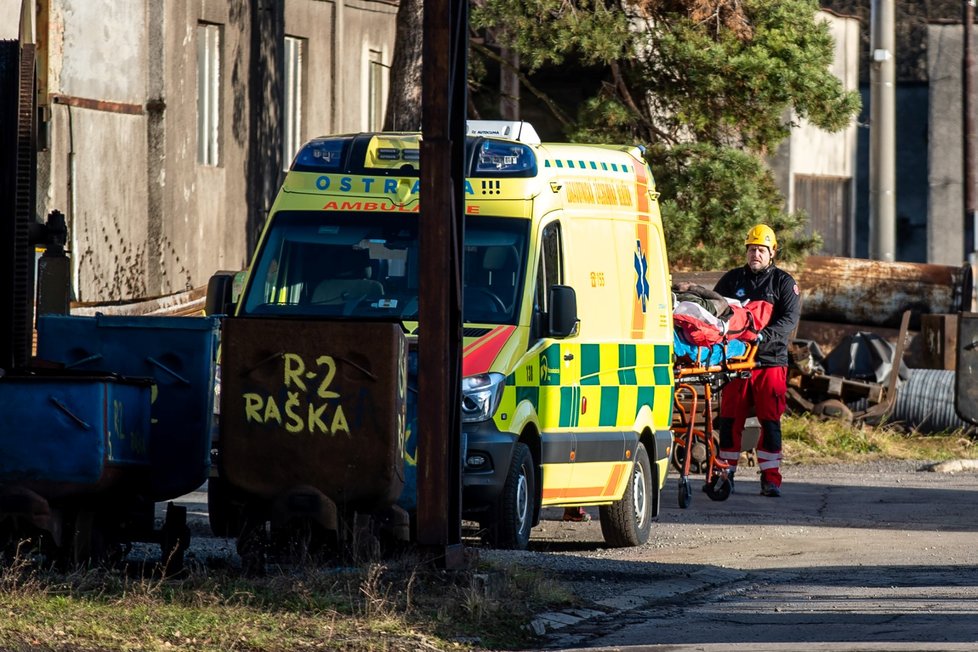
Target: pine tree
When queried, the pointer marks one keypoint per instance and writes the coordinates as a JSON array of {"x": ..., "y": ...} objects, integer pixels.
[{"x": 705, "y": 86}]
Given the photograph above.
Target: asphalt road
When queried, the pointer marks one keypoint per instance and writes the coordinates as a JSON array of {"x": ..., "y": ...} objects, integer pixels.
[
  {"x": 870, "y": 557},
  {"x": 880, "y": 556}
]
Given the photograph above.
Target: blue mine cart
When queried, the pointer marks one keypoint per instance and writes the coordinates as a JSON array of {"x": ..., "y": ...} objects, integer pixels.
[
  {"x": 178, "y": 354},
  {"x": 115, "y": 416}
]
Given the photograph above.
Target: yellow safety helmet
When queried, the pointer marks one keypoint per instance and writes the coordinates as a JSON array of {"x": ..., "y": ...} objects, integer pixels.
[{"x": 762, "y": 234}]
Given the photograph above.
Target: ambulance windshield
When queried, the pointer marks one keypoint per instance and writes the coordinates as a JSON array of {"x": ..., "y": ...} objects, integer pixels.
[{"x": 365, "y": 266}]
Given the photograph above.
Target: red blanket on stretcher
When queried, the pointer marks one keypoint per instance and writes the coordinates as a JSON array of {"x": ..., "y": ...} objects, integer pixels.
[{"x": 742, "y": 322}]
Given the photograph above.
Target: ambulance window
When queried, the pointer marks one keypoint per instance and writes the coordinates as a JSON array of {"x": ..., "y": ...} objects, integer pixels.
[
  {"x": 337, "y": 265},
  {"x": 551, "y": 264}
]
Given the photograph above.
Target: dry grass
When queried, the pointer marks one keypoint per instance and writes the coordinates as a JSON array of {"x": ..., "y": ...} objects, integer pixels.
[
  {"x": 395, "y": 606},
  {"x": 810, "y": 440}
]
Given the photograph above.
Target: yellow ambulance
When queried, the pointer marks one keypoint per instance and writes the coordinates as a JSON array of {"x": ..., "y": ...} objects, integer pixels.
[{"x": 568, "y": 334}]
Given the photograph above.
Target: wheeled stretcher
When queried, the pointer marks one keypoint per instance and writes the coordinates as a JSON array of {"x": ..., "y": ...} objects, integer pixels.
[{"x": 700, "y": 373}]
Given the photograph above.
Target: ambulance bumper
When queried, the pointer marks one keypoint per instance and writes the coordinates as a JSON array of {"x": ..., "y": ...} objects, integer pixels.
[{"x": 485, "y": 464}]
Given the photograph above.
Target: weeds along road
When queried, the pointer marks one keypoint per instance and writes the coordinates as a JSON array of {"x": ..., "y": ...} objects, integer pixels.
[{"x": 878, "y": 556}]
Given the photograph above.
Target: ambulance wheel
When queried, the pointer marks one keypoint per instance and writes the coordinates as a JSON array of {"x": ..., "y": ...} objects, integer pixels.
[
  {"x": 685, "y": 493},
  {"x": 628, "y": 521},
  {"x": 510, "y": 529}
]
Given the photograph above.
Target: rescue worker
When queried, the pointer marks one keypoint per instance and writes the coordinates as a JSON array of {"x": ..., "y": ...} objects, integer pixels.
[{"x": 765, "y": 389}]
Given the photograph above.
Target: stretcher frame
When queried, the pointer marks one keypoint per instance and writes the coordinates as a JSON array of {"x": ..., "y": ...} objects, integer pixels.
[{"x": 686, "y": 436}]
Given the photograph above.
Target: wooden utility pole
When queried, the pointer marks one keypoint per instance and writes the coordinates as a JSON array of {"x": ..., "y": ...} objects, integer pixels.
[{"x": 442, "y": 196}]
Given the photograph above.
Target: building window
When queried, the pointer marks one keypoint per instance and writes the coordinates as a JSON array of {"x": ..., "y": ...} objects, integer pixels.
[
  {"x": 208, "y": 94},
  {"x": 292, "y": 132},
  {"x": 376, "y": 87},
  {"x": 828, "y": 202}
]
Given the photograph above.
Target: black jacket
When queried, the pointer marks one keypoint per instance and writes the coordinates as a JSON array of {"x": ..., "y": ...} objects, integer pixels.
[{"x": 777, "y": 287}]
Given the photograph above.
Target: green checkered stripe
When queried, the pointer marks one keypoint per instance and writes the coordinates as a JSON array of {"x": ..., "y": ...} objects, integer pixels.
[
  {"x": 617, "y": 379},
  {"x": 580, "y": 164}
]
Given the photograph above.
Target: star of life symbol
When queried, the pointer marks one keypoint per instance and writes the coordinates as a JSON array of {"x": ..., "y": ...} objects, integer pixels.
[
  {"x": 740, "y": 293},
  {"x": 641, "y": 270}
]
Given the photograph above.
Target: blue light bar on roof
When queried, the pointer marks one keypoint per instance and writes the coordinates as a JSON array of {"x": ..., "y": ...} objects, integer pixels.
[
  {"x": 324, "y": 154},
  {"x": 504, "y": 159}
]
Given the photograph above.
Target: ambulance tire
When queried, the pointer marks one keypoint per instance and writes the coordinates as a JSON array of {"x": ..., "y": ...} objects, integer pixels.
[
  {"x": 513, "y": 520},
  {"x": 628, "y": 521}
]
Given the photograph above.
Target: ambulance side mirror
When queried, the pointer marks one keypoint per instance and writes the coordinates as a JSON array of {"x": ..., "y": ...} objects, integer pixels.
[
  {"x": 563, "y": 320},
  {"x": 220, "y": 294}
]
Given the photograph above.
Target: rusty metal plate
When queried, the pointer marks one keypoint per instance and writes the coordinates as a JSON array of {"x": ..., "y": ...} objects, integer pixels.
[
  {"x": 314, "y": 404},
  {"x": 859, "y": 291},
  {"x": 966, "y": 377}
]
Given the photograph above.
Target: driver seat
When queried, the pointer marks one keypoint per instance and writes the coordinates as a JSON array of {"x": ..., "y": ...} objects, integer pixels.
[
  {"x": 501, "y": 265},
  {"x": 351, "y": 280}
]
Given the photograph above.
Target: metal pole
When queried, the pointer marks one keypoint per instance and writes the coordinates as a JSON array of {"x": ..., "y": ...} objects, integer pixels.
[
  {"x": 968, "y": 125},
  {"x": 882, "y": 133}
]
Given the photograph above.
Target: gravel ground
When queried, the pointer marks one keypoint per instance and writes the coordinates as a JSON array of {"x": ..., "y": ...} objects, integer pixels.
[{"x": 575, "y": 552}]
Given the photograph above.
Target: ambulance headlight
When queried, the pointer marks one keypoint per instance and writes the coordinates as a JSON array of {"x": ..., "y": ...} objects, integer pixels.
[{"x": 480, "y": 396}]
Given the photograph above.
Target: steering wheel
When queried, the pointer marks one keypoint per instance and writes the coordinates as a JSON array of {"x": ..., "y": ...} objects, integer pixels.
[{"x": 497, "y": 303}]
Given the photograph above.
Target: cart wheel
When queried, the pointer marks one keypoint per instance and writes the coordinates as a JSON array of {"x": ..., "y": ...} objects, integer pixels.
[
  {"x": 719, "y": 488},
  {"x": 685, "y": 492},
  {"x": 174, "y": 539}
]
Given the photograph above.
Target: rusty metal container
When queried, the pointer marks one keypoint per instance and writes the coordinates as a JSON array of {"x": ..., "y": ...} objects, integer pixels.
[
  {"x": 876, "y": 293},
  {"x": 939, "y": 336},
  {"x": 314, "y": 404},
  {"x": 966, "y": 376}
]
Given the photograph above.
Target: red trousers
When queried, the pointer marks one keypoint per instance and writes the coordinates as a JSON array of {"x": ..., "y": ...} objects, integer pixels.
[{"x": 764, "y": 393}]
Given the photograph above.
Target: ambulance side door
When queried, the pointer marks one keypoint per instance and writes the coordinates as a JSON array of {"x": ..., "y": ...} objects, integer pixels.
[{"x": 558, "y": 384}]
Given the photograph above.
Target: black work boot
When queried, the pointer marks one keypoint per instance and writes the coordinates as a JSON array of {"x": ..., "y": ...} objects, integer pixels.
[{"x": 770, "y": 489}]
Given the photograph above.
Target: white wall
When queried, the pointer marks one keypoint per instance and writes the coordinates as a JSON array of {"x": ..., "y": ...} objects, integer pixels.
[
  {"x": 815, "y": 151},
  {"x": 10, "y": 24}
]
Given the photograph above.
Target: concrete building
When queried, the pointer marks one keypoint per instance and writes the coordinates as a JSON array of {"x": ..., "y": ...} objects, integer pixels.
[
  {"x": 946, "y": 226},
  {"x": 815, "y": 170},
  {"x": 166, "y": 126},
  {"x": 828, "y": 174}
]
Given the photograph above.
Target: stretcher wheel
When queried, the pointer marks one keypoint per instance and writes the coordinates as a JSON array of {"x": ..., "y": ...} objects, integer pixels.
[
  {"x": 685, "y": 492},
  {"x": 679, "y": 455},
  {"x": 718, "y": 489}
]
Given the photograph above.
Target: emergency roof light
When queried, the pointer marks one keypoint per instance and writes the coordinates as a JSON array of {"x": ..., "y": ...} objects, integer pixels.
[
  {"x": 501, "y": 158},
  {"x": 321, "y": 155},
  {"x": 399, "y": 155}
]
